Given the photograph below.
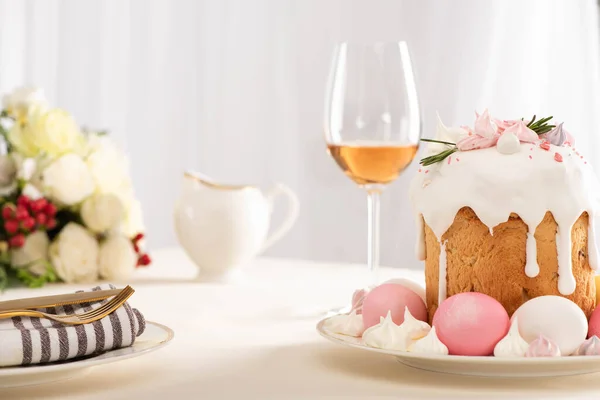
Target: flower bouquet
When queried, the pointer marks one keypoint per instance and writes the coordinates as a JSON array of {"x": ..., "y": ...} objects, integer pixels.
[{"x": 68, "y": 209}]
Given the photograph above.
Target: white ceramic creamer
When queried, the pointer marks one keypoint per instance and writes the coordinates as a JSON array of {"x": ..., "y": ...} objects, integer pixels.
[{"x": 222, "y": 226}]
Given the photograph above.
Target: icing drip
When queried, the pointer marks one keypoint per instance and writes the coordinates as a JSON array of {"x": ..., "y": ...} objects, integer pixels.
[
  {"x": 592, "y": 248},
  {"x": 532, "y": 269},
  {"x": 442, "y": 274},
  {"x": 528, "y": 183},
  {"x": 566, "y": 279},
  {"x": 420, "y": 245}
]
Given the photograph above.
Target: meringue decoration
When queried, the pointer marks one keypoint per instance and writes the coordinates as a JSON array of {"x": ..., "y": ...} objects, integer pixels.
[
  {"x": 476, "y": 142},
  {"x": 591, "y": 347},
  {"x": 385, "y": 335},
  {"x": 542, "y": 347},
  {"x": 512, "y": 345},
  {"x": 358, "y": 297},
  {"x": 508, "y": 144},
  {"x": 483, "y": 125},
  {"x": 430, "y": 344},
  {"x": 395, "y": 298},
  {"x": 522, "y": 132},
  {"x": 557, "y": 135},
  {"x": 346, "y": 324}
]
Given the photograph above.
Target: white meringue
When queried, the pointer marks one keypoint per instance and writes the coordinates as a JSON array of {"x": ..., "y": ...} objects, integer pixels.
[
  {"x": 346, "y": 324},
  {"x": 512, "y": 345},
  {"x": 508, "y": 144},
  {"x": 387, "y": 335},
  {"x": 430, "y": 344}
]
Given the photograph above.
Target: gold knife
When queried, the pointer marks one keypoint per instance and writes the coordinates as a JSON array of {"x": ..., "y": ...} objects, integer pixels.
[{"x": 57, "y": 300}]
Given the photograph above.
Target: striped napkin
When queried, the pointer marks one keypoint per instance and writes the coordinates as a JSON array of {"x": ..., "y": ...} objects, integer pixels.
[{"x": 27, "y": 341}]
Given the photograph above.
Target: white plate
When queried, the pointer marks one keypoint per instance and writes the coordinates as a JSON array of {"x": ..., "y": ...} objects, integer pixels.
[
  {"x": 479, "y": 366},
  {"x": 154, "y": 337}
]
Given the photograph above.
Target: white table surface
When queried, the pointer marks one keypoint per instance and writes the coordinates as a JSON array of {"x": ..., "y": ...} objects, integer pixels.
[{"x": 256, "y": 338}]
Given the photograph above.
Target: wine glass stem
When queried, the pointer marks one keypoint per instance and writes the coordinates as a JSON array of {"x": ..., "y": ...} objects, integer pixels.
[{"x": 373, "y": 194}]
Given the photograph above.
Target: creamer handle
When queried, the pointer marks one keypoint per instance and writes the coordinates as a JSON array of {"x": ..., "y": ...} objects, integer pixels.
[{"x": 291, "y": 217}]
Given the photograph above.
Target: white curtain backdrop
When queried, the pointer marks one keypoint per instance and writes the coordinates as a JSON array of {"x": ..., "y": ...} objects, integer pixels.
[{"x": 234, "y": 89}]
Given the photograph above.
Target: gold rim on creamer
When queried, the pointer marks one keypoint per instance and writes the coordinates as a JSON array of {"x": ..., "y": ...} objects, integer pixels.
[{"x": 215, "y": 185}]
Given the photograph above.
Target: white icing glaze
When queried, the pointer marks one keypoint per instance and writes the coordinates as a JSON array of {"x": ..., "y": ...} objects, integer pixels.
[
  {"x": 528, "y": 183},
  {"x": 511, "y": 345},
  {"x": 442, "y": 284},
  {"x": 532, "y": 269},
  {"x": 346, "y": 324},
  {"x": 430, "y": 344},
  {"x": 420, "y": 245}
]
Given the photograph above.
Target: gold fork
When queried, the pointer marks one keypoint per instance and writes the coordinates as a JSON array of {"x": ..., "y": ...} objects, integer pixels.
[{"x": 77, "y": 319}]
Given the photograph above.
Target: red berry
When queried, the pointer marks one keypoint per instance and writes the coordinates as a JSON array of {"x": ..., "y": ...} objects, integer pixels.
[
  {"x": 11, "y": 226},
  {"x": 138, "y": 237},
  {"x": 22, "y": 213},
  {"x": 28, "y": 223},
  {"x": 23, "y": 201},
  {"x": 144, "y": 260},
  {"x": 17, "y": 240},
  {"x": 51, "y": 223},
  {"x": 8, "y": 211},
  {"x": 41, "y": 219},
  {"x": 38, "y": 205},
  {"x": 136, "y": 247},
  {"x": 50, "y": 209}
]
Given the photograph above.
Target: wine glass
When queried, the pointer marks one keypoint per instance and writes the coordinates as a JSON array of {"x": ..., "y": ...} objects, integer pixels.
[{"x": 372, "y": 123}]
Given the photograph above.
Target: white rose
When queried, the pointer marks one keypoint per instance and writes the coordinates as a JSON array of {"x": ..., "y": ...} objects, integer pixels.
[
  {"x": 32, "y": 192},
  {"x": 117, "y": 258},
  {"x": 68, "y": 180},
  {"x": 74, "y": 254},
  {"x": 102, "y": 212},
  {"x": 34, "y": 253},
  {"x": 108, "y": 165},
  {"x": 26, "y": 166},
  {"x": 53, "y": 132},
  {"x": 22, "y": 99},
  {"x": 133, "y": 223}
]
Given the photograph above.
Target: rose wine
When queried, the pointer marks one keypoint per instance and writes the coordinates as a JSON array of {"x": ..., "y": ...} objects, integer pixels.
[{"x": 372, "y": 164}]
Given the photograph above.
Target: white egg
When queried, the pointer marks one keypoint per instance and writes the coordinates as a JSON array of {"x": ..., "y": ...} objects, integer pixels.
[
  {"x": 555, "y": 317},
  {"x": 410, "y": 284}
]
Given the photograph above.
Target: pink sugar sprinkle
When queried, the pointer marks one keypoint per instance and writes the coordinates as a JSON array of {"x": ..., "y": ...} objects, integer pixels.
[
  {"x": 531, "y": 158},
  {"x": 580, "y": 156},
  {"x": 585, "y": 162},
  {"x": 426, "y": 171},
  {"x": 419, "y": 169},
  {"x": 558, "y": 157},
  {"x": 531, "y": 148},
  {"x": 449, "y": 160},
  {"x": 457, "y": 159}
]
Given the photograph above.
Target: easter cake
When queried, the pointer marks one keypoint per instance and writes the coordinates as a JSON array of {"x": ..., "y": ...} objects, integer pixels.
[
  {"x": 505, "y": 214},
  {"x": 504, "y": 208}
]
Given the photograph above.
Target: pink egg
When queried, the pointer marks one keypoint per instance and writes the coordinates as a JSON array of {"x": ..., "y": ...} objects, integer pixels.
[
  {"x": 594, "y": 324},
  {"x": 470, "y": 324},
  {"x": 395, "y": 298}
]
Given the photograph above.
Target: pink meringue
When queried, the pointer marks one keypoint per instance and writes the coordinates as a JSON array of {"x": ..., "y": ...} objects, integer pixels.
[
  {"x": 483, "y": 125},
  {"x": 556, "y": 136},
  {"x": 590, "y": 347},
  {"x": 504, "y": 124},
  {"x": 476, "y": 142},
  {"x": 358, "y": 297},
  {"x": 542, "y": 347},
  {"x": 521, "y": 131}
]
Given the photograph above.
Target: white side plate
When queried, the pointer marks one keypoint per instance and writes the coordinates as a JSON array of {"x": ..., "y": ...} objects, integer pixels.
[
  {"x": 479, "y": 366},
  {"x": 154, "y": 337}
]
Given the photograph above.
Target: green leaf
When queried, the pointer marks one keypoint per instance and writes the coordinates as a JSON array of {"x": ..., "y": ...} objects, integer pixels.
[
  {"x": 3, "y": 278},
  {"x": 35, "y": 281}
]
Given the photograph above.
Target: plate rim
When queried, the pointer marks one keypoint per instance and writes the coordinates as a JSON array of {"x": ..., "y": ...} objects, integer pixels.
[
  {"x": 453, "y": 359},
  {"x": 89, "y": 362}
]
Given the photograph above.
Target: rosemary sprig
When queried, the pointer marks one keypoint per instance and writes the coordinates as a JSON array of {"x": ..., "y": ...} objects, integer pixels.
[
  {"x": 436, "y": 158},
  {"x": 540, "y": 126}
]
